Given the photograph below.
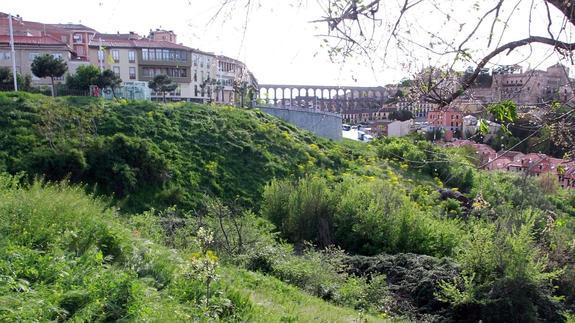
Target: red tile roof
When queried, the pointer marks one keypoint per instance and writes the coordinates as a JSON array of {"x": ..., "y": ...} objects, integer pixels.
[
  {"x": 35, "y": 40},
  {"x": 77, "y": 27},
  {"x": 135, "y": 43}
]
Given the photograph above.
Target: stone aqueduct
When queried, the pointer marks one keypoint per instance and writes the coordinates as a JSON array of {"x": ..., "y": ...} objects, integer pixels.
[{"x": 324, "y": 98}]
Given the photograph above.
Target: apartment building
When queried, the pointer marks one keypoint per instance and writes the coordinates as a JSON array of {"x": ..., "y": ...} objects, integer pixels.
[
  {"x": 201, "y": 76},
  {"x": 204, "y": 76},
  {"x": 67, "y": 41},
  {"x": 75, "y": 36},
  {"x": 135, "y": 58},
  {"x": 448, "y": 119},
  {"x": 419, "y": 109},
  {"x": 115, "y": 52},
  {"x": 229, "y": 71},
  {"x": 27, "y": 48}
]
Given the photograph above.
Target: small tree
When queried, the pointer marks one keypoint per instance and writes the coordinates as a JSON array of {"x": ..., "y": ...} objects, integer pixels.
[
  {"x": 401, "y": 115},
  {"x": 7, "y": 80},
  {"x": 162, "y": 83},
  {"x": 244, "y": 90},
  {"x": 49, "y": 66},
  {"x": 109, "y": 79},
  {"x": 85, "y": 76}
]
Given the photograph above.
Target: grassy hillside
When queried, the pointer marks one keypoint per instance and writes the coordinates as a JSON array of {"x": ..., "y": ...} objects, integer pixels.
[
  {"x": 400, "y": 228},
  {"x": 65, "y": 256},
  {"x": 147, "y": 154}
]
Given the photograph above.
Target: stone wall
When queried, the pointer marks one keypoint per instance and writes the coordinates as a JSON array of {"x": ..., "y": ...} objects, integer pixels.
[{"x": 324, "y": 124}]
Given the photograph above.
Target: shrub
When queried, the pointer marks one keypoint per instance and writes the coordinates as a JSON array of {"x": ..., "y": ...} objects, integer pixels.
[
  {"x": 302, "y": 212},
  {"x": 122, "y": 164},
  {"x": 56, "y": 165},
  {"x": 505, "y": 276},
  {"x": 368, "y": 217},
  {"x": 65, "y": 256}
]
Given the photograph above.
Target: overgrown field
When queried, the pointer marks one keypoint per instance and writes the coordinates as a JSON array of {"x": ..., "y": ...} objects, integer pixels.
[{"x": 209, "y": 212}]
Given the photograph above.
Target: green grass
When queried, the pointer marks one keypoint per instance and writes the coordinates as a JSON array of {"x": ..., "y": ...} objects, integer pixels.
[
  {"x": 276, "y": 301},
  {"x": 66, "y": 256},
  {"x": 157, "y": 155}
]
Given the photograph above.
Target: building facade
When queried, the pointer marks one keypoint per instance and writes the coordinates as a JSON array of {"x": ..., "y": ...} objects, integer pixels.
[
  {"x": 27, "y": 48},
  {"x": 448, "y": 119},
  {"x": 200, "y": 76},
  {"x": 31, "y": 39},
  {"x": 204, "y": 78}
]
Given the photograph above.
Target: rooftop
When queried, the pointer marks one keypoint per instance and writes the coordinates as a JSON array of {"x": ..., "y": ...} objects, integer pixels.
[
  {"x": 36, "y": 40},
  {"x": 116, "y": 41}
]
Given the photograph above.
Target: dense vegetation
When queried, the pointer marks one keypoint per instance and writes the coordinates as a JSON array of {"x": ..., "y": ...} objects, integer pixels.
[
  {"x": 150, "y": 155},
  {"x": 215, "y": 202}
]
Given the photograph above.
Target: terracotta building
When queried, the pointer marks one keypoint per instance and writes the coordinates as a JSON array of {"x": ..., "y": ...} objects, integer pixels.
[{"x": 448, "y": 119}]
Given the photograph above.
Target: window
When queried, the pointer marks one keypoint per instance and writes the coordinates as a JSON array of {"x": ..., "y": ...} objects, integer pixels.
[
  {"x": 57, "y": 55},
  {"x": 166, "y": 54},
  {"x": 152, "y": 54},
  {"x": 116, "y": 70},
  {"x": 116, "y": 55},
  {"x": 100, "y": 55},
  {"x": 132, "y": 56},
  {"x": 5, "y": 55},
  {"x": 77, "y": 38},
  {"x": 145, "y": 56},
  {"x": 132, "y": 73},
  {"x": 31, "y": 56}
]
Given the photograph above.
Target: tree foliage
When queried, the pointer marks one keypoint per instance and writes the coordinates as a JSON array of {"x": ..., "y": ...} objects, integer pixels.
[
  {"x": 85, "y": 76},
  {"x": 109, "y": 79},
  {"x": 401, "y": 115},
  {"x": 162, "y": 84},
  {"x": 47, "y": 65},
  {"x": 7, "y": 80}
]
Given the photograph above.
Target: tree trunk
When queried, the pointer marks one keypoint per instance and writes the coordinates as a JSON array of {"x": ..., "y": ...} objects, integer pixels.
[
  {"x": 53, "y": 88},
  {"x": 566, "y": 7},
  {"x": 164, "y": 96}
]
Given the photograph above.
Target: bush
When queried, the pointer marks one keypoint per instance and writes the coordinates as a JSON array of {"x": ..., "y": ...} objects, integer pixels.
[
  {"x": 504, "y": 275},
  {"x": 122, "y": 165},
  {"x": 56, "y": 165},
  {"x": 412, "y": 282},
  {"x": 368, "y": 217},
  {"x": 64, "y": 256},
  {"x": 302, "y": 212}
]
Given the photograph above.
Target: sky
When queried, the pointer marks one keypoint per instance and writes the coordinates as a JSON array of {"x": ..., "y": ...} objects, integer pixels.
[{"x": 278, "y": 42}]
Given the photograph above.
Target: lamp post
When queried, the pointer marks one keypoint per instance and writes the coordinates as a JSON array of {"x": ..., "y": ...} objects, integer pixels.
[{"x": 13, "y": 53}]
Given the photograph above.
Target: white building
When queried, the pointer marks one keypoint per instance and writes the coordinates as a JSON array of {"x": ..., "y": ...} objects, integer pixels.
[
  {"x": 399, "y": 128},
  {"x": 471, "y": 126}
]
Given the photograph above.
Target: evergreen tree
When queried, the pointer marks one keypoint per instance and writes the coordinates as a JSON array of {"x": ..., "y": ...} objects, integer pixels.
[
  {"x": 162, "y": 84},
  {"x": 49, "y": 66},
  {"x": 109, "y": 79},
  {"x": 85, "y": 76}
]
